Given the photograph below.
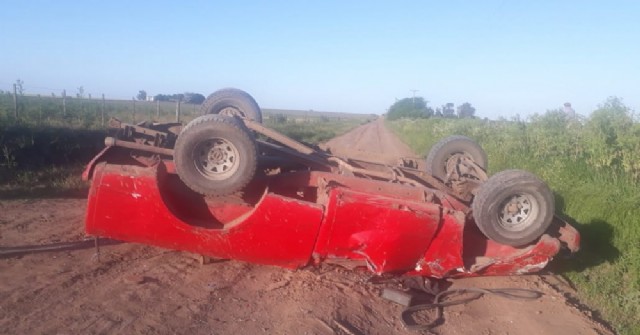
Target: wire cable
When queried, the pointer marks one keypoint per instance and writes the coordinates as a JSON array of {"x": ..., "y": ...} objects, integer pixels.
[{"x": 439, "y": 302}]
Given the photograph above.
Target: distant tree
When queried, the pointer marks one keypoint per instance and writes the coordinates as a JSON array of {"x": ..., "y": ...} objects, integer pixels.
[
  {"x": 415, "y": 107},
  {"x": 80, "y": 93},
  {"x": 188, "y": 97},
  {"x": 142, "y": 95},
  {"x": 168, "y": 97},
  {"x": 448, "y": 111},
  {"x": 161, "y": 97},
  {"x": 466, "y": 111},
  {"x": 193, "y": 98}
]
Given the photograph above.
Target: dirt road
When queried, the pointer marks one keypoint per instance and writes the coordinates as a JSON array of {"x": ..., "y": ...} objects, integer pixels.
[
  {"x": 136, "y": 289},
  {"x": 372, "y": 142}
]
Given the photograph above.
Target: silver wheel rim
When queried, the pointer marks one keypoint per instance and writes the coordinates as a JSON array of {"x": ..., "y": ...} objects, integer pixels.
[
  {"x": 216, "y": 158},
  {"x": 518, "y": 212}
]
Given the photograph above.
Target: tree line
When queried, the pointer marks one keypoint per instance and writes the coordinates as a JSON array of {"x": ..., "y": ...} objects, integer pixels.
[
  {"x": 187, "y": 97},
  {"x": 417, "y": 107}
]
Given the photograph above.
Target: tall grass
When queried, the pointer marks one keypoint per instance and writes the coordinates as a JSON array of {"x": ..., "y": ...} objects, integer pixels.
[
  {"x": 45, "y": 160},
  {"x": 593, "y": 166}
]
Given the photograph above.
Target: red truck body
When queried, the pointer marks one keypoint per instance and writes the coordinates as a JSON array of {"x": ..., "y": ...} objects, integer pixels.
[{"x": 303, "y": 218}]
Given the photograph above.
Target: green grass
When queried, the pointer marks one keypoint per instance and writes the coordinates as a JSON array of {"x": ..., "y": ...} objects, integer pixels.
[
  {"x": 601, "y": 197},
  {"x": 47, "y": 181},
  {"x": 45, "y": 160}
]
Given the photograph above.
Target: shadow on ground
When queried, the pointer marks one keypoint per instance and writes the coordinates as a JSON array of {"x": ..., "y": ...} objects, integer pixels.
[{"x": 596, "y": 244}]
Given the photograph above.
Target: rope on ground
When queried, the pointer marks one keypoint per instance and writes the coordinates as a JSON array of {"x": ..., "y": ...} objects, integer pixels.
[
  {"x": 438, "y": 303},
  {"x": 6, "y": 252}
]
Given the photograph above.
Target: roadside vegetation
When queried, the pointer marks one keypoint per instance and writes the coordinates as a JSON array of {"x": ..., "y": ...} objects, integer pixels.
[
  {"x": 313, "y": 128},
  {"x": 593, "y": 166}
]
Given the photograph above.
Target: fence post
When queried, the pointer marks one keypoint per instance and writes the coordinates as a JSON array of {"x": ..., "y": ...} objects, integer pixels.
[
  {"x": 178, "y": 111},
  {"x": 39, "y": 109},
  {"x": 64, "y": 103},
  {"x": 134, "y": 111},
  {"x": 102, "y": 111},
  {"x": 15, "y": 102}
]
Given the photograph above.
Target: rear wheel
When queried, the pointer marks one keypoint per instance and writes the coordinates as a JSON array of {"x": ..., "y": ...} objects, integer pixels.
[
  {"x": 513, "y": 207},
  {"x": 232, "y": 102},
  {"x": 445, "y": 155},
  {"x": 215, "y": 155}
]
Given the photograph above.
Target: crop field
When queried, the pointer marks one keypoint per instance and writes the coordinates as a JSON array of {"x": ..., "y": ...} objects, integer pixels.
[{"x": 593, "y": 166}]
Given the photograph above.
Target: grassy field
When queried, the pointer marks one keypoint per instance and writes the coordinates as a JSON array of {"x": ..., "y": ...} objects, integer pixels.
[
  {"x": 43, "y": 152},
  {"x": 48, "y": 111},
  {"x": 593, "y": 167}
]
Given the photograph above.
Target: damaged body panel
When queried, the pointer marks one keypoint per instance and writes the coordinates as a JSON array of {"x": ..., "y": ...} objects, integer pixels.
[{"x": 300, "y": 218}]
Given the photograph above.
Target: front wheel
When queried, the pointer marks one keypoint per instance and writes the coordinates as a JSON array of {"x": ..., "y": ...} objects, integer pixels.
[
  {"x": 215, "y": 155},
  {"x": 513, "y": 207}
]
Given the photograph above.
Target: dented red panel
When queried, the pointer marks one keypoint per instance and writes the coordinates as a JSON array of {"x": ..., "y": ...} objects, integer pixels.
[
  {"x": 445, "y": 253},
  {"x": 126, "y": 203},
  {"x": 502, "y": 259},
  {"x": 389, "y": 233}
]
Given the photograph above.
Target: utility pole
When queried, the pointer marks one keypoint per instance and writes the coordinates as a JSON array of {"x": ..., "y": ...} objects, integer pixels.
[
  {"x": 414, "y": 97},
  {"x": 102, "y": 112},
  {"x": 178, "y": 110},
  {"x": 15, "y": 102},
  {"x": 39, "y": 110},
  {"x": 64, "y": 103}
]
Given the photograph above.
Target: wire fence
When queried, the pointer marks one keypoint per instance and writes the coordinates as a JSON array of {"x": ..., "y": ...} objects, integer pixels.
[{"x": 74, "y": 112}]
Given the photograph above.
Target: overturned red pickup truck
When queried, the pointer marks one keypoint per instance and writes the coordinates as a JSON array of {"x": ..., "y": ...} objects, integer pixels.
[{"x": 225, "y": 186}]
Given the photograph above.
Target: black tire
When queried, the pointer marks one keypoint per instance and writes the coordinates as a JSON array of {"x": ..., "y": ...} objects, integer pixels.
[
  {"x": 513, "y": 207},
  {"x": 232, "y": 102},
  {"x": 215, "y": 155},
  {"x": 449, "y": 147}
]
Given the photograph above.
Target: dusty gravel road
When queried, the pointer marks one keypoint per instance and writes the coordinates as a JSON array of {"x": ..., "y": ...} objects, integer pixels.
[{"x": 136, "y": 289}]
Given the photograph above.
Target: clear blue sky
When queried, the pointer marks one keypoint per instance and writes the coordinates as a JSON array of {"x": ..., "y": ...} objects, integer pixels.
[{"x": 504, "y": 57}]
